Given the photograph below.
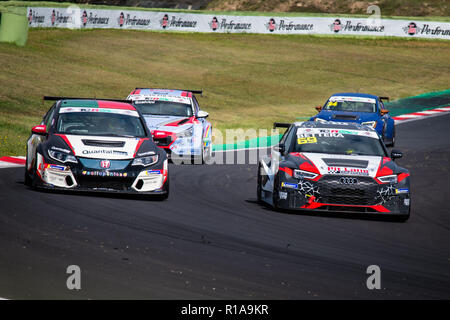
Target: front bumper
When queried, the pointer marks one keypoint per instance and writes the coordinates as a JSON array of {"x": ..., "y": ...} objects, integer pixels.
[
  {"x": 137, "y": 180},
  {"x": 328, "y": 194}
]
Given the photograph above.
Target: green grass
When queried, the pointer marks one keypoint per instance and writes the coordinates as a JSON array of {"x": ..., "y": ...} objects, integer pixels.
[
  {"x": 249, "y": 81},
  {"x": 22, "y": 4}
]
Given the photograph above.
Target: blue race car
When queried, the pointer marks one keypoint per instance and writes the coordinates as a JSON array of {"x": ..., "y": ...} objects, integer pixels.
[{"x": 365, "y": 109}]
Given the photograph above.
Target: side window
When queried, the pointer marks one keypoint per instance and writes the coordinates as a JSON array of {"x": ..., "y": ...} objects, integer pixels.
[
  {"x": 380, "y": 106},
  {"x": 49, "y": 117},
  {"x": 287, "y": 137},
  {"x": 195, "y": 104}
]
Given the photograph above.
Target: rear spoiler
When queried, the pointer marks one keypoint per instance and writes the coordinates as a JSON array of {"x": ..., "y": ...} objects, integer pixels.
[
  {"x": 384, "y": 98},
  {"x": 200, "y": 92},
  {"x": 49, "y": 98},
  {"x": 281, "y": 125}
]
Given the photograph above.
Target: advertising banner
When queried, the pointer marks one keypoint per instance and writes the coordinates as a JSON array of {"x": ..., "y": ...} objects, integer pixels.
[{"x": 76, "y": 18}]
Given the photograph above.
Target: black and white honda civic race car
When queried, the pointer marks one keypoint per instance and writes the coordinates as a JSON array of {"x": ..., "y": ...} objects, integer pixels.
[
  {"x": 95, "y": 145},
  {"x": 330, "y": 166}
]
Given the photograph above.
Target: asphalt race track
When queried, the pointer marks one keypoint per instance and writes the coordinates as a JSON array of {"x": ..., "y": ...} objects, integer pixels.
[{"x": 212, "y": 240}]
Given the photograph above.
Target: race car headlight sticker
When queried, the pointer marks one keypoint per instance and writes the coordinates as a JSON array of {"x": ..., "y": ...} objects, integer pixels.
[
  {"x": 301, "y": 174},
  {"x": 186, "y": 133},
  {"x": 319, "y": 120},
  {"x": 372, "y": 124},
  {"x": 61, "y": 156},
  {"x": 388, "y": 179},
  {"x": 145, "y": 161}
]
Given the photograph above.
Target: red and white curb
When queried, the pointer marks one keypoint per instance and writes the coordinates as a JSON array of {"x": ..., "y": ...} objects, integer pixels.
[
  {"x": 9, "y": 162},
  {"x": 420, "y": 115}
]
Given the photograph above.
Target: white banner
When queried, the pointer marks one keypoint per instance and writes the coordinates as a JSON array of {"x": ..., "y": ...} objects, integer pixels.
[{"x": 76, "y": 18}]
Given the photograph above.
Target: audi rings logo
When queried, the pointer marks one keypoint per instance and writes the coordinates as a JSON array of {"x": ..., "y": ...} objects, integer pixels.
[{"x": 347, "y": 180}]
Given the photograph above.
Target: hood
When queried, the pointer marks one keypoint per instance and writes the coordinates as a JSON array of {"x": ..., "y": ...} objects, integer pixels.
[
  {"x": 100, "y": 147},
  {"x": 347, "y": 116},
  {"x": 167, "y": 123},
  {"x": 345, "y": 165}
]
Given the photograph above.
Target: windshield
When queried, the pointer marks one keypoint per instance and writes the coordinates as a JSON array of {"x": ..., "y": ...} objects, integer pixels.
[
  {"x": 166, "y": 108},
  {"x": 351, "y": 104},
  {"x": 100, "y": 124},
  {"x": 338, "y": 141}
]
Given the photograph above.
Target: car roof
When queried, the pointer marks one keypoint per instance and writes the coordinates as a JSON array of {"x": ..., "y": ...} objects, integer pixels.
[
  {"x": 87, "y": 103},
  {"x": 165, "y": 92},
  {"x": 353, "y": 94},
  {"x": 333, "y": 125}
]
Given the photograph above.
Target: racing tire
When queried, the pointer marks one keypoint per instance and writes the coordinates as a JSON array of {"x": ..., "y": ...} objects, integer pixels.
[
  {"x": 258, "y": 185},
  {"x": 276, "y": 193},
  {"x": 26, "y": 177},
  {"x": 34, "y": 176},
  {"x": 393, "y": 138},
  {"x": 207, "y": 154}
]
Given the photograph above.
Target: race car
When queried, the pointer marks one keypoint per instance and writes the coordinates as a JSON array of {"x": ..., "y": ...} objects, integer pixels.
[
  {"x": 334, "y": 166},
  {"x": 176, "y": 122},
  {"x": 95, "y": 145},
  {"x": 365, "y": 109}
]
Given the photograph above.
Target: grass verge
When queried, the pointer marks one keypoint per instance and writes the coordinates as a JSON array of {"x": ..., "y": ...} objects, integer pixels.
[{"x": 249, "y": 80}]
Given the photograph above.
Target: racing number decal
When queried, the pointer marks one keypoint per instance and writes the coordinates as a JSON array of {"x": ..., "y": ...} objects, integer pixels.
[
  {"x": 332, "y": 104},
  {"x": 307, "y": 140}
]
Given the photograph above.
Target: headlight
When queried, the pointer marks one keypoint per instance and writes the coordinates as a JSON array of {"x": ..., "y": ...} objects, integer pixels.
[
  {"x": 319, "y": 120},
  {"x": 388, "y": 179},
  {"x": 145, "y": 161},
  {"x": 300, "y": 174},
  {"x": 186, "y": 133},
  {"x": 372, "y": 124},
  {"x": 61, "y": 156}
]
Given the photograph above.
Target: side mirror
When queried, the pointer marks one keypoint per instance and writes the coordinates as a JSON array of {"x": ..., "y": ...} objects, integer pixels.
[
  {"x": 395, "y": 154},
  {"x": 40, "y": 130},
  {"x": 202, "y": 114},
  {"x": 318, "y": 108},
  {"x": 384, "y": 111},
  {"x": 280, "y": 148}
]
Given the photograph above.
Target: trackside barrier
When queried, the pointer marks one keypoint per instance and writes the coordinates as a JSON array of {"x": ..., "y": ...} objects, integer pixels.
[{"x": 74, "y": 17}]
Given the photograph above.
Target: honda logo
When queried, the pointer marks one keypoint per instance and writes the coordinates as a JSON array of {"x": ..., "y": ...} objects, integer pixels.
[
  {"x": 347, "y": 180},
  {"x": 105, "y": 164}
]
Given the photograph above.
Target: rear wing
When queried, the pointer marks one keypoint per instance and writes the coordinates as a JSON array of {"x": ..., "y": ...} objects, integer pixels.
[
  {"x": 200, "y": 92},
  {"x": 384, "y": 98},
  {"x": 49, "y": 98},
  {"x": 281, "y": 125}
]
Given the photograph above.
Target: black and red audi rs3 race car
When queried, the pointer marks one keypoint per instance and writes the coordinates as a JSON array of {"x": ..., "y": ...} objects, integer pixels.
[
  {"x": 95, "y": 145},
  {"x": 332, "y": 166}
]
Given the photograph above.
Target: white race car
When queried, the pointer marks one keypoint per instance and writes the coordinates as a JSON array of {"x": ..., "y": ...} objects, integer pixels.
[{"x": 176, "y": 122}]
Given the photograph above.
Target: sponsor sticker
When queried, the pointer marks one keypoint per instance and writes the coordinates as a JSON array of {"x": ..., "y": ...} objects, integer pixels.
[
  {"x": 348, "y": 171},
  {"x": 105, "y": 110},
  {"x": 150, "y": 172},
  {"x": 104, "y": 174},
  {"x": 401, "y": 191},
  {"x": 283, "y": 195},
  {"x": 352, "y": 99},
  {"x": 289, "y": 185},
  {"x": 55, "y": 167},
  {"x": 103, "y": 151},
  {"x": 60, "y": 149}
]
